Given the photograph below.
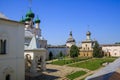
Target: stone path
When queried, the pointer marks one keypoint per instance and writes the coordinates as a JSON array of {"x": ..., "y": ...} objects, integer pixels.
[{"x": 55, "y": 72}]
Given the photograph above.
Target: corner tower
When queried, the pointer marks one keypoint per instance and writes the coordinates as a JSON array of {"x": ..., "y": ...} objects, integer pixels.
[{"x": 70, "y": 40}]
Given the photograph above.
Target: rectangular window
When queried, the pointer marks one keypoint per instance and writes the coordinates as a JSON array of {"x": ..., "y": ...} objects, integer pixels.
[{"x": 2, "y": 47}]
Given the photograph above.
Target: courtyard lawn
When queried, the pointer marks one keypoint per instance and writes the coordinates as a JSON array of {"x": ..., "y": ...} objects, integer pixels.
[
  {"x": 68, "y": 61},
  {"x": 75, "y": 75},
  {"x": 92, "y": 64}
]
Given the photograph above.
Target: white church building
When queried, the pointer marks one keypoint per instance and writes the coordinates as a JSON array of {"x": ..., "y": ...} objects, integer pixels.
[
  {"x": 34, "y": 45},
  {"x": 11, "y": 49}
]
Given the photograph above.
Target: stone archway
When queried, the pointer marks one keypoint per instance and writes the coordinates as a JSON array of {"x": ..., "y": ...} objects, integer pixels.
[
  {"x": 28, "y": 62},
  {"x": 8, "y": 77},
  {"x": 8, "y": 73},
  {"x": 38, "y": 63},
  {"x": 115, "y": 52}
]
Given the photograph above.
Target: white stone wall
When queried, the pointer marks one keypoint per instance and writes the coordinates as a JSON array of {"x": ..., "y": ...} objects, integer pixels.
[
  {"x": 43, "y": 43},
  {"x": 12, "y": 62},
  {"x": 113, "y": 50},
  {"x": 36, "y": 54},
  {"x": 70, "y": 44}
]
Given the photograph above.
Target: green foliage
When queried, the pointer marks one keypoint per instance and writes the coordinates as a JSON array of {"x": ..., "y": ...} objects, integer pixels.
[
  {"x": 97, "y": 51},
  {"x": 75, "y": 75},
  {"x": 92, "y": 64},
  {"x": 117, "y": 42},
  {"x": 60, "y": 54},
  {"x": 68, "y": 61},
  {"x": 50, "y": 56},
  {"x": 74, "y": 51}
]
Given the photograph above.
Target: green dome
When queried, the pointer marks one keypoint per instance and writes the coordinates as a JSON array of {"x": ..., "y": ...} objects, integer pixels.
[
  {"x": 27, "y": 18},
  {"x": 37, "y": 20},
  {"x": 22, "y": 20},
  {"x": 30, "y": 14}
]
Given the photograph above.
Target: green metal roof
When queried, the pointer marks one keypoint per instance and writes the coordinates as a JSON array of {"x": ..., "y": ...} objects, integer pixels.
[
  {"x": 37, "y": 20},
  {"x": 30, "y": 14}
]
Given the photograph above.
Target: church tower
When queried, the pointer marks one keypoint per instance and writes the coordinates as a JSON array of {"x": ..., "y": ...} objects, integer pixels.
[
  {"x": 70, "y": 40},
  {"x": 88, "y": 34},
  {"x": 29, "y": 19},
  {"x": 37, "y": 27}
]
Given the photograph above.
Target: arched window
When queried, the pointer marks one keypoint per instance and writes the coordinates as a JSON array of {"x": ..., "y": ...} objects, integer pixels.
[
  {"x": 87, "y": 54},
  {"x": 39, "y": 61},
  {"x": 86, "y": 45},
  {"x": 2, "y": 46},
  {"x": 84, "y": 54},
  {"x": 7, "y": 77},
  {"x": 88, "y": 48}
]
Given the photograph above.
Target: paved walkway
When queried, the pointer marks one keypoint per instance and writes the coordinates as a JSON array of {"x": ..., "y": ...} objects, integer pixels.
[{"x": 55, "y": 72}]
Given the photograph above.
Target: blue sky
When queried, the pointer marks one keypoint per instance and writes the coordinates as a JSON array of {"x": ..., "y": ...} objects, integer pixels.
[{"x": 59, "y": 17}]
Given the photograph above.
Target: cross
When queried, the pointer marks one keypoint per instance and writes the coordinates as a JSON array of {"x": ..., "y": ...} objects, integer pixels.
[
  {"x": 30, "y": 3},
  {"x": 88, "y": 27}
]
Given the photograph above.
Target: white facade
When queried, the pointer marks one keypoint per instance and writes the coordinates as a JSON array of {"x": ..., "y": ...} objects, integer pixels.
[
  {"x": 38, "y": 58},
  {"x": 35, "y": 46},
  {"x": 87, "y": 45},
  {"x": 112, "y": 49},
  {"x": 11, "y": 50}
]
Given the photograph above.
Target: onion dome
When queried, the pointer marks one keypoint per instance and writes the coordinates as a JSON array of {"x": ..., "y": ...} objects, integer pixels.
[
  {"x": 27, "y": 18},
  {"x": 30, "y": 14},
  {"x": 88, "y": 33},
  {"x": 22, "y": 20},
  {"x": 37, "y": 20}
]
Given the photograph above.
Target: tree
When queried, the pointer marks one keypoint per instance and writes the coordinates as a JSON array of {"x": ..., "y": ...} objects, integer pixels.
[
  {"x": 50, "y": 56},
  {"x": 60, "y": 54},
  {"x": 97, "y": 50},
  {"x": 74, "y": 51}
]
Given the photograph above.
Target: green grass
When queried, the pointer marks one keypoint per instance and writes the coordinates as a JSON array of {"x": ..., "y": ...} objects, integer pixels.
[
  {"x": 92, "y": 64},
  {"x": 85, "y": 77},
  {"x": 68, "y": 61},
  {"x": 75, "y": 75}
]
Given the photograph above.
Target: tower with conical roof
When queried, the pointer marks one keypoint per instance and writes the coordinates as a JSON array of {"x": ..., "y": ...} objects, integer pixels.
[{"x": 70, "y": 40}]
